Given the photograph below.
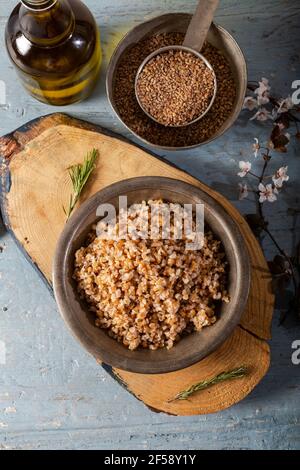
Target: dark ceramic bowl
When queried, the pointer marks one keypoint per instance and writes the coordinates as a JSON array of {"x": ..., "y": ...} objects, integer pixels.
[
  {"x": 191, "y": 348},
  {"x": 179, "y": 22}
]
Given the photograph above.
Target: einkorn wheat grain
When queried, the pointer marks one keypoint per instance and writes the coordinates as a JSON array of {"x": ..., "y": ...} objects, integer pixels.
[
  {"x": 148, "y": 292},
  {"x": 145, "y": 127},
  {"x": 175, "y": 87}
]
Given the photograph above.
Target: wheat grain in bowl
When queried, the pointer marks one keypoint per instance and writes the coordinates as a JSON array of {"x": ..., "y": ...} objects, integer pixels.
[
  {"x": 146, "y": 292},
  {"x": 176, "y": 87}
]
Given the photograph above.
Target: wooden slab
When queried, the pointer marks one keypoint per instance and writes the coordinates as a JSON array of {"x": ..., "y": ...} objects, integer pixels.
[{"x": 34, "y": 188}]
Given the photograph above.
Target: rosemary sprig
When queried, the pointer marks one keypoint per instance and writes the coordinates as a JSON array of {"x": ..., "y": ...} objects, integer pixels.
[
  {"x": 79, "y": 175},
  {"x": 232, "y": 374}
]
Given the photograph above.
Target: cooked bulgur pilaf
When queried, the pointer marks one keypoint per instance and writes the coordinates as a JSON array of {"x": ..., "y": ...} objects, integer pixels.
[{"x": 147, "y": 293}]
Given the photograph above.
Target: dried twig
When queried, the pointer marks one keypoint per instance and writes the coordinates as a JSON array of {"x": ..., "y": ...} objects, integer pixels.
[{"x": 232, "y": 374}]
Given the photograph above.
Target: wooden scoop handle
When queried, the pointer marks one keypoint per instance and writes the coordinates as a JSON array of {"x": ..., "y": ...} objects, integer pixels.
[{"x": 200, "y": 24}]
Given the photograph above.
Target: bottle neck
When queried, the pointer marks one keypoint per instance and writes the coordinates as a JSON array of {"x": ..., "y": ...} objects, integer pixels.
[
  {"x": 46, "y": 22},
  {"x": 38, "y": 4}
]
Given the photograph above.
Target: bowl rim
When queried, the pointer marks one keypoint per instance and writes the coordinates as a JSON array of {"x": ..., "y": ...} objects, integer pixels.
[
  {"x": 163, "y": 50},
  {"x": 110, "y": 73},
  {"x": 60, "y": 290}
]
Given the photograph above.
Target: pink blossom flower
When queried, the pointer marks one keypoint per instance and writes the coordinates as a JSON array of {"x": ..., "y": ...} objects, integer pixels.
[
  {"x": 267, "y": 193},
  {"x": 243, "y": 191},
  {"x": 262, "y": 91},
  {"x": 280, "y": 176},
  {"x": 250, "y": 103},
  {"x": 245, "y": 167},
  {"x": 256, "y": 147},
  {"x": 263, "y": 99},
  {"x": 285, "y": 105},
  {"x": 263, "y": 85},
  {"x": 262, "y": 115}
]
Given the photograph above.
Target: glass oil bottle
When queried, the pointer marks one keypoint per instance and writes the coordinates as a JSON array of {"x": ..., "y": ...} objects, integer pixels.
[{"x": 55, "y": 47}]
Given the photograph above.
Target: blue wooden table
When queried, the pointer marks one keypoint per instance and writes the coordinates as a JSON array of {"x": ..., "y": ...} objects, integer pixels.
[{"x": 53, "y": 395}]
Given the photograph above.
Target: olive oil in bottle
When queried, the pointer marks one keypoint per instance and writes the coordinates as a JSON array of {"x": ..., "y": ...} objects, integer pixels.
[{"x": 55, "y": 46}]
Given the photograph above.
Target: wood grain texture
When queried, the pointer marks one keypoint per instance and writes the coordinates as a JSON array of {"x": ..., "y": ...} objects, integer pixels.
[
  {"x": 33, "y": 206},
  {"x": 241, "y": 348},
  {"x": 40, "y": 188}
]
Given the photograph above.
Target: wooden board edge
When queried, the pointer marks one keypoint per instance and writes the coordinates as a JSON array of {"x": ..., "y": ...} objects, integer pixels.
[
  {"x": 14, "y": 142},
  {"x": 114, "y": 375},
  {"x": 122, "y": 382},
  {"x": 5, "y": 182},
  {"x": 32, "y": 129}
]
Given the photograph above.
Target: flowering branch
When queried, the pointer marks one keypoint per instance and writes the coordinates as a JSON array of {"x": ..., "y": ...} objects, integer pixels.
[{"x": 281, "y": 113}]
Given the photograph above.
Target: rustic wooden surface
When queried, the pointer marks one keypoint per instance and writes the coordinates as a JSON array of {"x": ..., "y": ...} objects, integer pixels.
[
  {"x": 52, "y": 394},
  {"x": 35, "y": 159}
]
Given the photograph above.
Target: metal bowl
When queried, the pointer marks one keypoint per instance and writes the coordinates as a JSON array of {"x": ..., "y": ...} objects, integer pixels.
[
  {"x": 191, "y": 348},
  {"x": 178, "y": 22},
  {"x": 162, "y": 50}
]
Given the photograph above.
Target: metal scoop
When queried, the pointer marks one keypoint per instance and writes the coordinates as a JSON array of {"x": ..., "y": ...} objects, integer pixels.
[{"x": 193, "y": 43}]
